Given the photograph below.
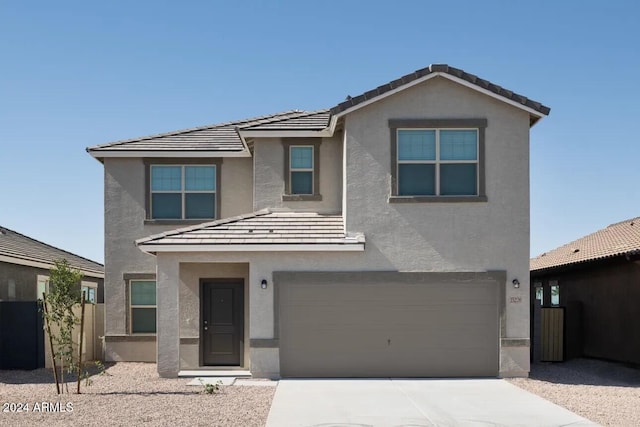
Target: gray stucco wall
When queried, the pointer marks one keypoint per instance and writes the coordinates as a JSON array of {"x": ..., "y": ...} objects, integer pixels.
[
  {"x": 428, "y": 237},
  {"x": 125, "y": 222},
  {"x": 269, "y": 176},
  {"x": 25, "y": 279}
]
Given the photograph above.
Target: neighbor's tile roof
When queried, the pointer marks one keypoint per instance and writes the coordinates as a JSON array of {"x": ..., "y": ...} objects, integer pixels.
[
  {"x": 617, "y": 239},
  {"x": 221, "y": 137},
  {"x": 20, "y": 249},
  {"x": 263, "y": 228},
  {"x": 442, "y": 68}
]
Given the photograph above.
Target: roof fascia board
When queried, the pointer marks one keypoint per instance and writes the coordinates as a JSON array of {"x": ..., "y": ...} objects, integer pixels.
[
  {"x": 167, "y": 154},
  {"x": 455, "y": 79},
  {"x": 269, "y": 247},
  {"x": 45, "y": 265},
  {"x": 493, "y": 95},
  {"x": 260, "y": 133}
]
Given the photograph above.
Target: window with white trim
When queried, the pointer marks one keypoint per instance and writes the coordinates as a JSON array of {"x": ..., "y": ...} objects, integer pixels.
[
  {"x": 142, "y": 302},
  {"x": 89, "y": 290},
  {"x": 301, "y": 168},
  {"x": 183, "y": 191},
  {"x": 437, "y": 162}
]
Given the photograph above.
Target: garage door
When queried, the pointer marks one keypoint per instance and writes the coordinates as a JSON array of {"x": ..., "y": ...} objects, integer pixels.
[{"x": 388, "y": 324}]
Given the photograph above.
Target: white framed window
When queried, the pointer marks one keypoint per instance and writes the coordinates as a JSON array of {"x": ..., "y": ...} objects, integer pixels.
[
  {"x": 89, "y": 289},
  {"x": 142, "y": 306},
  {"x": 42, "y": 286},
  {"x": 301, "y": 169},
  {"x": 183, "y": 191},
  {"x": 437, "y": 162}
]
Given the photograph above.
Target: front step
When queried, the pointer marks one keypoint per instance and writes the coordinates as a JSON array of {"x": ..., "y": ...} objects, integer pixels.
[{"x": 237, "y": 373}]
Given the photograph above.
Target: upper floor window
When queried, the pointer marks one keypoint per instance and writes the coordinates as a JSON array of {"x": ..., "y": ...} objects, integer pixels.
[
  {"x": 437, "y": 160},
  {"x": 183, "y": 192},
  {"x": 302, "y": 170}
]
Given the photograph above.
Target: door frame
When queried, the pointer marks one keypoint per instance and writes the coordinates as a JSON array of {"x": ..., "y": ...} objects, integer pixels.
[{"x": 222, "y": 281}]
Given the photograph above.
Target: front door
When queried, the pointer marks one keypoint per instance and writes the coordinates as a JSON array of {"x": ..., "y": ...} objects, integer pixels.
[{"x": 222, "y": 327}]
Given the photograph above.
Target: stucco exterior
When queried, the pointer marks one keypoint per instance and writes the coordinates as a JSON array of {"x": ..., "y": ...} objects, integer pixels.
[
  {"x": 125, "y": 214},
  {"x": 355, "y": 181},
  {"x": 20, "y": 282}
]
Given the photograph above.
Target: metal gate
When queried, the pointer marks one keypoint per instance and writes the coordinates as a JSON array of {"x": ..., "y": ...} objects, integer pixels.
[{"x": 21, "y": 335}]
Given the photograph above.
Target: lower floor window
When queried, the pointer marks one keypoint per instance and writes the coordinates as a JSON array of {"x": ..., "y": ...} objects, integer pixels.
[{"x": 143, "y": 306}]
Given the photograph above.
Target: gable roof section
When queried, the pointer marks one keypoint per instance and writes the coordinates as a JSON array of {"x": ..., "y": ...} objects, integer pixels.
[
  {"x": 221, "y": 139},
  {"x": 16, "y": 248},
  {"x": 261, "y": 231},
  {"x": 621, "y": 238},
  {"x": 228, "y": 139},
  {"x": 452, "y": 73}
]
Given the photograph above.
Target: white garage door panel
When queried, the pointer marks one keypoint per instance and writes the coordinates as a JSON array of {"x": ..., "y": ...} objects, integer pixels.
[{"x": 389, "y": 329}]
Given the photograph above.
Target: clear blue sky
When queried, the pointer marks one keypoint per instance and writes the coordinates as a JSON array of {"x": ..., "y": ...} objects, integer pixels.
[{"x": 76, "y": 74}]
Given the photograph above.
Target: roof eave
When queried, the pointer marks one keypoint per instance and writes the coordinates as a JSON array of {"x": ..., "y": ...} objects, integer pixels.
[
  {"x": 534, "y": 114},
  {"x": 47, "y": 265},
  {"x": 267, "y": 247},
  {"x": 283, "y": 133},
  {"x": 101, "y": 154}
]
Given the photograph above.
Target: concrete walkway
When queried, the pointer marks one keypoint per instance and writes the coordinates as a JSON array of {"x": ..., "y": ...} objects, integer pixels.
[{"x": 406, "y": 402}]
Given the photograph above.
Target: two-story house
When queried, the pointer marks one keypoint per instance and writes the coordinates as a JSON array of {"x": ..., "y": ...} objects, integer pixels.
[{"x": 386, "y": 236}]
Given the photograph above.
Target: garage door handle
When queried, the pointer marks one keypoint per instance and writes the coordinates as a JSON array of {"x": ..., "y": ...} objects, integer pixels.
[{"x": 389, "y": 341}]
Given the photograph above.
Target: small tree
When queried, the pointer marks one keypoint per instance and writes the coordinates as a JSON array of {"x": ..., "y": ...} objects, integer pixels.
[{"x": 64, "y": 293}]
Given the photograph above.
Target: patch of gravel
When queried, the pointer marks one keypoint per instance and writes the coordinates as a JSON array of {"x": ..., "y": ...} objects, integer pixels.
[
  {"x": 132, "y": 394},
  {"x": 604, "y": 392}
]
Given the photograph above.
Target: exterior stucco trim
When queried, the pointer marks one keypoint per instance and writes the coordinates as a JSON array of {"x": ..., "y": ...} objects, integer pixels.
[
  {"x": 515, "y": 342},
  {"x": 217, "y": 162},
  {"x": 437, "y": 199},
  {"x": 138, "y": 276},
  {"x": 264, "y": 343},
  {"x": 130, "y": 338},
  {"x": 287, "y": 196},
  {"x": 395, "y": 124}
]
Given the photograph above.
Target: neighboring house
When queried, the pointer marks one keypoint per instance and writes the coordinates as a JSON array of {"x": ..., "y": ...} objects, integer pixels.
[
  {"x": 598, "y": 276},
  {"x": 380, "y": 237},
  {"x": 25, "y": 265}
]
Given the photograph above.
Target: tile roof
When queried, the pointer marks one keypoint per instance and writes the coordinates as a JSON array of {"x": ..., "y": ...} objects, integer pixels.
[
  {"x": 440, "y": 68},
  {"x": 616, "y": 239},
  {"x": 312, "y": 120},
  {"x": 225, "y": 138},
  {"x": 221, "y": 137},
  {"x": 263, "y": 228},
  {"x": 19, "y": 249}
]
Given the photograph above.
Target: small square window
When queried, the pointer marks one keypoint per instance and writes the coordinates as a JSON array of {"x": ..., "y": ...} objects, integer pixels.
[{"x": 301, "y": 171}]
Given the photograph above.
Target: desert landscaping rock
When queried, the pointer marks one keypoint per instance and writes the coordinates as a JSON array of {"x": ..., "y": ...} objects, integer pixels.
[
  {"x": 603, "y": 392},
  {"x": 132, "y": 394}
]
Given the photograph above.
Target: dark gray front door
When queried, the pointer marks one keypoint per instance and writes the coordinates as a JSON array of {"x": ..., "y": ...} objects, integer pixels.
[{"x": 222, "y": 322}]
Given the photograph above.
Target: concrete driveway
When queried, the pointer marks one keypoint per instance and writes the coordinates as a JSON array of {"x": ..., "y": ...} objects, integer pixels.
[{"x": 407, "y": 402}]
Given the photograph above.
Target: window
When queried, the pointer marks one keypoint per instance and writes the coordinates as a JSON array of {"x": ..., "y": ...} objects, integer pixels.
[
  {"x": 183, "y": 192},
  {"x": 143, "y": 306},
  {"x": 301, "y": 162},
  {"x": 89, "y": 291},
  {"x": 554, "y": 289},
  {"x": 42, "y": 286},
  {"x": 301, "y": 169},
  {"x": 437, "y": 160}
]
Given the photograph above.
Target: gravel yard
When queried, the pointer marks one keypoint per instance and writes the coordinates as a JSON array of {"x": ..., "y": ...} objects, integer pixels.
[
  {"x": 603, "y": 392},
  {"x": 132, "y": 394}
]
